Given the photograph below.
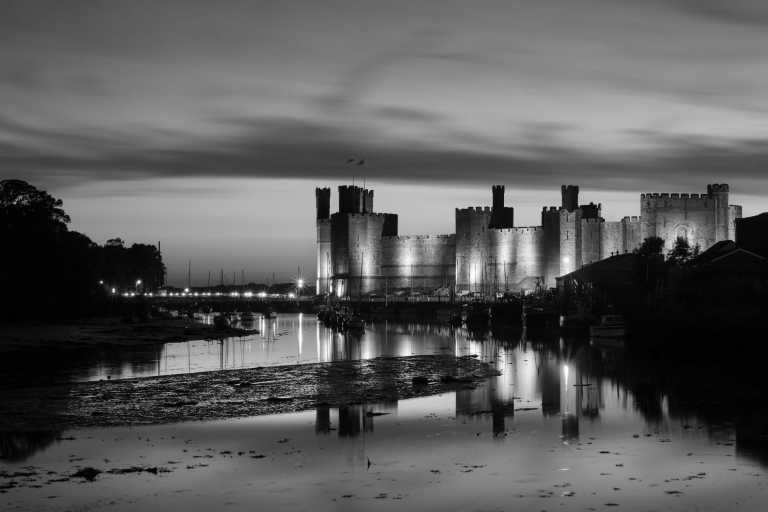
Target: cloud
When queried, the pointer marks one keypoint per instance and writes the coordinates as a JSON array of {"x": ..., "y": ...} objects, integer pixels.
[
  {"x": 407, "y": 114},
  {"x": 290, "y": 148},
  {"x": 743, "y": 12}
]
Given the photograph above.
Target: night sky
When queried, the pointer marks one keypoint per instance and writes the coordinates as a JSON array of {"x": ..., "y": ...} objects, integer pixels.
[{"x": 206, "y": 125}]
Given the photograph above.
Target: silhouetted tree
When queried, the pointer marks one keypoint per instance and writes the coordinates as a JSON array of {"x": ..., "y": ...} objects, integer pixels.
[
  {"x": 681, "y": 253},
  {"x": 651, "y": 246}
]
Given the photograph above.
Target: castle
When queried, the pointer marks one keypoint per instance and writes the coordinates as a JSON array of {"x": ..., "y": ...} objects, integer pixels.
[{"x": 359, "y": 251}]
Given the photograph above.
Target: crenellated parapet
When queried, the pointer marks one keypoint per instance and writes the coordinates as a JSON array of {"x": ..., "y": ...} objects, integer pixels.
[{"x": 354, "y": 199}]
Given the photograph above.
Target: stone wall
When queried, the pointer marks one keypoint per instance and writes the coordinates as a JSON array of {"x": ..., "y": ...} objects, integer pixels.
[
  {"x": 669, "y": 216},
  {"x": 515, "y": 259},
  {"x": 424, "y": 262},
  {"x": 591, "y": 240}
]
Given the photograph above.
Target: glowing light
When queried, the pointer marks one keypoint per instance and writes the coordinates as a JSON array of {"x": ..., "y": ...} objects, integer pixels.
[
  {"x": 566, "y": 260},
  {"x": 138, "y": 282},
  {"x": 291, "y": 295},
  {"x": 114, "y": 291},
  {"x": 101, "y": 281},
  {"x": 248, "y": 294},
  {"x": 262, "y": 295},
  {"x": 300, "y": 283},
  {"x": 186, "y": 290}
]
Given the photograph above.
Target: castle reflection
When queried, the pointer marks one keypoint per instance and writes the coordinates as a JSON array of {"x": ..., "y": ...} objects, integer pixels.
[{"x": 541, "y": 379}]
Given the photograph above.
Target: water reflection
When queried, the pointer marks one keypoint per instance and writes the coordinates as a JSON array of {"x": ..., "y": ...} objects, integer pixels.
[{"x": 563, "y": 383}]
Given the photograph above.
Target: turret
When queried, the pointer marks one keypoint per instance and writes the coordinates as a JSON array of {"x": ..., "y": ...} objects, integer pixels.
[
  {"x": 323, "y": 203},
  {"x": 498, "y": 197},
  {"x": 501, "y": 216},
  {"x": 570, "y": 195}
]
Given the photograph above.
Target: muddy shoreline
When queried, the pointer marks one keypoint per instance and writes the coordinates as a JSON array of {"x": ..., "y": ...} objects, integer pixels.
[
  {"x": 109, "y": 331},
  {"x": 235, "y": 393}
]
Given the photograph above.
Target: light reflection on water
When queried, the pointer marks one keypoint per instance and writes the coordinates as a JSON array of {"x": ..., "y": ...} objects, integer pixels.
[
  {"x": 285, "y": 340},
  {"x": 563, "y": 423}
]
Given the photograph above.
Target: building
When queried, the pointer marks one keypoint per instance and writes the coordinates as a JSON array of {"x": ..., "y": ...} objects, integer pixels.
[{"x": 359, "y": 251}]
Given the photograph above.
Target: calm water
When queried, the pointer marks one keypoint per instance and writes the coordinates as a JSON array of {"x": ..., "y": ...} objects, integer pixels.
[
  {"x": 287, "y": 339},
  {"x": 565, "y": 426}
]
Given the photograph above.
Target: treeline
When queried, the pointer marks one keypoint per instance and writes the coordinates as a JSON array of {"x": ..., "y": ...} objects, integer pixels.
[{"x": 48, "y": 272}]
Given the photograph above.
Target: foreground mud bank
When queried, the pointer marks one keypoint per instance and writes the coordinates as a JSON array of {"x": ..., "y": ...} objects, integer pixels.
[
  {"x": 109, "y": 332},
  {"x": 235, "y": 393}
]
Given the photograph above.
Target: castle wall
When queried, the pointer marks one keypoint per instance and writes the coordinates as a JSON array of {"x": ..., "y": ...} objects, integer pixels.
[
  {"x": 515, "y": 259},
  {"x": 423, "y": 262},
  {"x": 669, "y": 216},
  {"x": 632, "y": 229},
  {"x": 591, "y": 240},
  {"x": 611, "y": 239}
]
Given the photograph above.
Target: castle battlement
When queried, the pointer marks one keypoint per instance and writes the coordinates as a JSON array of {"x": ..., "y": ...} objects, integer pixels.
[
  {"x": 408, "y": 238},
  {"x": 632, "y": 219},
  {"x": 593, "y": 220},
  {"x": 517, "y": 229},
  {"x": 673, "y": 195},
  {"x": 361, "y": 215}
]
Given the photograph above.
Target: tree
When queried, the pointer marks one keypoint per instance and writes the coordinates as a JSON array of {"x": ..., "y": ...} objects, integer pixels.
[
  {"x": 22, "y": 206},
  {"x": 681, "y": 253},
  {"x": 651, "y": 246},
  {"x": 57, "y": 273}
]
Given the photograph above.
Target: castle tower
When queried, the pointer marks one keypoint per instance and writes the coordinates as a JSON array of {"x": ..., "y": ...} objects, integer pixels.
[
  {"x": 498, "y": 196},
  {"x": 324, "y": 263},
  {"x": 570, "y": 195},
  {"x": 501, "y": 216},
  {"x": 719, "y": 193}
]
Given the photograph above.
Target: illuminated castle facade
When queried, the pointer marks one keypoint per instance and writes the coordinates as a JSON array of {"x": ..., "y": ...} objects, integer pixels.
[{"x": 359, "y": 251}]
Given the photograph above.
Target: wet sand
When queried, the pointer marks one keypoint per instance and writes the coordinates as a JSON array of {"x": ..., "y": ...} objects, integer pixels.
[
  {"x": 235, "y": 393},
  {"x": 109, "y": 331}
]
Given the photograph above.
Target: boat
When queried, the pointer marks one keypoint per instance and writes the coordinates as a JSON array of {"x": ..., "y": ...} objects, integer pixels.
[{"x": 610, "y": 327}]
